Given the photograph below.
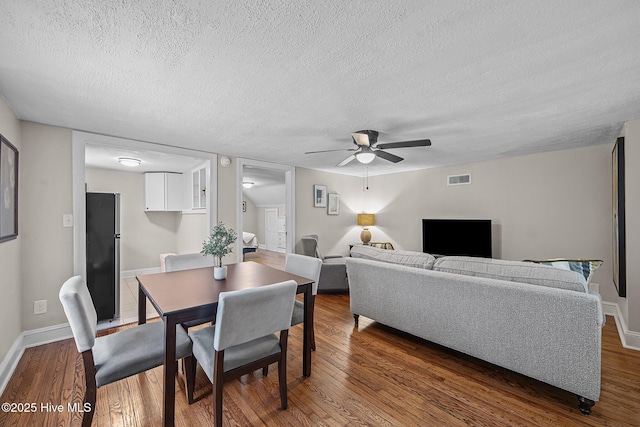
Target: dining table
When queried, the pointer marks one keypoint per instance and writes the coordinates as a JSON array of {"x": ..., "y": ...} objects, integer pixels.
[{"x": 186, "y": 296}]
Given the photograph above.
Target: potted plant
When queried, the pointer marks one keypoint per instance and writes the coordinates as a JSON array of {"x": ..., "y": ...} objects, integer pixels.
[{"x": 219, "y": 244}]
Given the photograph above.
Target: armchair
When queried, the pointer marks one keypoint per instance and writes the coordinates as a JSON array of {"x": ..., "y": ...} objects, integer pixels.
[{"x": 333, "y": 272}]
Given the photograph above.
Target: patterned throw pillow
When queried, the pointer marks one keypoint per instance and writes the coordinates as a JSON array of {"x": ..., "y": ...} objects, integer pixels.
[{"x": 586, "y": 267}]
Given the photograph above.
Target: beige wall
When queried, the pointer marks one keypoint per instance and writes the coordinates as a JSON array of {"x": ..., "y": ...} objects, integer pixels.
[
  {"x": 227, "y": 201},
  {"x": 145, "y": 235},
  {"x": 45, "y": 196},
  {"x": 250, "y": 218},
  {"x": 632, "y": 211},
  {"x": 547, "y": 205},
  {"x": 10, "y": 272}
]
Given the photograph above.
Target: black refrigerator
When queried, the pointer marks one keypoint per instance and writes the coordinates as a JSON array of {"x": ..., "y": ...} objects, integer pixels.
[{"x": 103, "y": 253}]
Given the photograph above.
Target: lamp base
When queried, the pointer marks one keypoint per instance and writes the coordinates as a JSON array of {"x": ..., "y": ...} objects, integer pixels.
[{"x": 365, "y": 236}]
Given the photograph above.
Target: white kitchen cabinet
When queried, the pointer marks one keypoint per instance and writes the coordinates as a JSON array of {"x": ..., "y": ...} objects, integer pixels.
[{"x": 163, "y": 191}]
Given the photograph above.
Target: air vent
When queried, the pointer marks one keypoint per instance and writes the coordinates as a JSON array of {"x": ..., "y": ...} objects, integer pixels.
[{"x": 459, "y": 179}]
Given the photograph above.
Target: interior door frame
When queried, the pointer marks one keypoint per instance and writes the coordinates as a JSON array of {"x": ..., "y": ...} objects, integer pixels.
[{"x": 290, "y": 200}]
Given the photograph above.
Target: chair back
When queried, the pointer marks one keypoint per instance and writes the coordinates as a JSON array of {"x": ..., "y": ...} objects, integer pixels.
[
  {"x": 187, "y": 261},
  {"x": 81, "y": 314},
  {"x": 253, "y": 313},
  {"x": 310, "y": 246},
  {"x": 304, "y": 266}
]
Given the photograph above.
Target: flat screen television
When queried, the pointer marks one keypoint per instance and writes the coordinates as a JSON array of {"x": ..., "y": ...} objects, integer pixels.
[{"x": 468, "y": 237}]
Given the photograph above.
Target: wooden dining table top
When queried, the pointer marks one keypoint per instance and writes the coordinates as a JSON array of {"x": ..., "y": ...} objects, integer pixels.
[{"x": 175, "y": 291}]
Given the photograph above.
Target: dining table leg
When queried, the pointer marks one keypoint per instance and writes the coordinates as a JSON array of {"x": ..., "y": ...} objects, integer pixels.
[
  {"x": 142, "y": 306},
  {"x": 169, "y": 389},
  {"x": 307, "y": 332}
]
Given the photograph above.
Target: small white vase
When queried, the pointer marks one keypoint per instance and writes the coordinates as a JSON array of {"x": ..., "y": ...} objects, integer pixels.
[{"x": 220, "y": 273}]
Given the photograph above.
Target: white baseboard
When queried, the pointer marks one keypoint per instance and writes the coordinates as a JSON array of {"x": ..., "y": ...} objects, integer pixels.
[
  {"x": 26, "y": 340},
  {"x": 630, "y": 339}
]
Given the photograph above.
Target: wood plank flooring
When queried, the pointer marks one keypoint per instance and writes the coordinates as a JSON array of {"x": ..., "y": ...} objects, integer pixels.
[{"x": 371, "y": 375}]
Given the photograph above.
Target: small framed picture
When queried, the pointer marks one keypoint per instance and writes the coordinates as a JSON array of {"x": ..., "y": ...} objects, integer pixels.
[
  {"x": 333, "y": 207},
  {"x": 244, "y": 206},
  {"x": 8, "y": 190},
  {"x": 319, "y": 196}
]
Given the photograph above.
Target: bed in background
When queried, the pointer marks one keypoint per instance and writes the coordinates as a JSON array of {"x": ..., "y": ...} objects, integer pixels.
[{"x": 249, "y": 243}]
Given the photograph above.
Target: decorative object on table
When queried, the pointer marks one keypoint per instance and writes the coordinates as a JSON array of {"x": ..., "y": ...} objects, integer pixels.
[
  {"x": 219, "y": 244},
  {"x": 8, "y": 190},
  {"x": 333, "y": 207},
  {"x": 319, "y": 196},
  {"x": 619, "y": 228},
  {"x": 366, "y": 220}
]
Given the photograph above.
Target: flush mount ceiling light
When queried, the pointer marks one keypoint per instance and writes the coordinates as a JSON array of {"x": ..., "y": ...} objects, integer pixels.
[
  {"x": 128, "y": 161},
  {"x": 247, "y": 184}
]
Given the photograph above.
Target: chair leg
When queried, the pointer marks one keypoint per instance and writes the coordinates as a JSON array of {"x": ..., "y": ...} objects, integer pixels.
[
  {"x": 265, "y": 371},
  {"x": 90, "y": 388},
  {"x": 218, "y": 382},
  {"x": 189, "y": 367},
  {"x": 282, "y": 369}
]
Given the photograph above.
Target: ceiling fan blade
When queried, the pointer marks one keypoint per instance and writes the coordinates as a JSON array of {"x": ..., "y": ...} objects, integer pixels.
[
  {"x": 347, "y": 160},
  {"x": 388, "y": 156},
  {"x": 328, "y": 151},
  {"x": 406, "y": 144}
]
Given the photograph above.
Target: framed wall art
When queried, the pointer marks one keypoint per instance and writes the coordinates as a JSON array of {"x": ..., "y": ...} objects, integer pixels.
[
  {"x": 8, "y": 190},
  {"x": 333, "y": 204},
  {"x": 319, "y": 196},
  {"x": 619, "y": 246}
]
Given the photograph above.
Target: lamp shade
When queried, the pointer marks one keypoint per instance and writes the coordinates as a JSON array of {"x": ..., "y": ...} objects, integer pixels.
[{"x": 366, "y": 220}]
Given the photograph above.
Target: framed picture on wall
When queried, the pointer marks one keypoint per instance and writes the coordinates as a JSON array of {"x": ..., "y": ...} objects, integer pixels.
[
  {"x": 333, "y": 207},
  {"x": 619, "y": 246},
  {"x": 8, "y": 190},
  {"x": 319, "y": 196}
]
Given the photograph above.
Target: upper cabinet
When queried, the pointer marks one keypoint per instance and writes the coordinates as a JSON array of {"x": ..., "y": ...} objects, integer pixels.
[
  {"x": 163, "y": 191},
  {"x": 199, "y": 188}
]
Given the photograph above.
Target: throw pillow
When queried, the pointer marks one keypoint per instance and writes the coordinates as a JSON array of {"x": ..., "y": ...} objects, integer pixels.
[{"x": 586, "y": 267}]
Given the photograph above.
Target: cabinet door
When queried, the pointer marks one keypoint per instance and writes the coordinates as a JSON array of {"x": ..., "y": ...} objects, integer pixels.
[
  {"x": 173, "y": 192},
  {"x": 154, "y": 190}
]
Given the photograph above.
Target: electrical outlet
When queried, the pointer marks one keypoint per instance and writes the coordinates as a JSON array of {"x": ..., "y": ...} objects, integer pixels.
[
  {"x": 67, "y": 220},
  {"x": 40, "y": 307}
]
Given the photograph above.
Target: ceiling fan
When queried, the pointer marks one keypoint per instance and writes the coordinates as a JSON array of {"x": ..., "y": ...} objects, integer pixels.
[{"x": 367, "y": 148}]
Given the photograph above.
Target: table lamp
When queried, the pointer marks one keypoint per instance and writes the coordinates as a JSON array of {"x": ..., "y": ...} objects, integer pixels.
[{"x": 366, "y": 220}]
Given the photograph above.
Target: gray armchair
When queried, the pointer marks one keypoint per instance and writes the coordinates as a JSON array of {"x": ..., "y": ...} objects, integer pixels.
[{"x": 333, "y": 273}]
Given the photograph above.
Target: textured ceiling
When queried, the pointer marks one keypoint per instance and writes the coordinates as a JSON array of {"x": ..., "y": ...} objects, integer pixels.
[{"x": 271, "y": 79}]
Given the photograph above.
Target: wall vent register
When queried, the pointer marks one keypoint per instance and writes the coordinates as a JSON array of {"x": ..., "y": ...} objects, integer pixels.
[{"x": 459, "y": 179}]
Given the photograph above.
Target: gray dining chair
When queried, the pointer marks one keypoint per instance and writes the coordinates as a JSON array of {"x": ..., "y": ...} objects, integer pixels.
[
  {"x": 244, "y": 339},
  {"x": 187, "y": 261},
  {"x": 308, "y": 267},
  {"x": 115, "y": 356}
]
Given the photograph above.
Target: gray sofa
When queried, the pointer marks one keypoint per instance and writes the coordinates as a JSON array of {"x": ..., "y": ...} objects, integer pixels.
[{"x": 533, "y": 319}]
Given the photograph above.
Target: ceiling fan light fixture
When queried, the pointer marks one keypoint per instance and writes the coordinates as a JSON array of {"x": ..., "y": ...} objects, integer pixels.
[
  {"x": 365, "y": 157},
  {"x": 247, "y": 184},
  {"x": 128, "y": 161}
]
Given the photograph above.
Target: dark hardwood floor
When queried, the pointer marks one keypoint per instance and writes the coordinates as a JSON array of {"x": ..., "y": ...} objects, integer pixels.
[{"x": 371, "y": 375}]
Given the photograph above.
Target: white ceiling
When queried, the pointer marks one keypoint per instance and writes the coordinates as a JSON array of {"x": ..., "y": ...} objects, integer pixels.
[{"x": 270, "y": 80}]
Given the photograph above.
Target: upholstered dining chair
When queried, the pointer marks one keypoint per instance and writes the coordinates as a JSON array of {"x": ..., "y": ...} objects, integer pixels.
[
  {"x": 244, "y": 339},
  {"x": 187, "y": 261},
  {"x": 115, "y": 356},
  {"x": 308, "y": 267}
]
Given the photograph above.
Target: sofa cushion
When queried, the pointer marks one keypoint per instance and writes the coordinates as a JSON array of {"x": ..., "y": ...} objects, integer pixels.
[
  {"x": 407, "y": 258},
  {"x": 514, "y": 271}
]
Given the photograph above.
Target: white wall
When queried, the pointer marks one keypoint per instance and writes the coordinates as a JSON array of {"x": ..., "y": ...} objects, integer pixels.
[
  {"x": 632, "y": 200},
  {"x": 10, "y": 272},
  {"x": 547, "y": 205},
  {"x": 45, "y": 196}
]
